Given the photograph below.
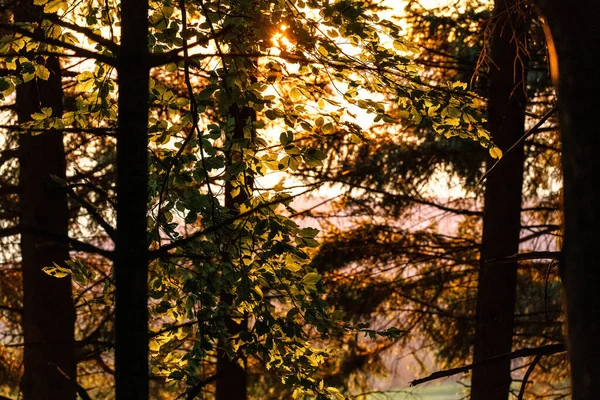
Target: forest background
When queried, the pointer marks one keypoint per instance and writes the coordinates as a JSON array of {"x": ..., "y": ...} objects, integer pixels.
[{"x": 192, "y": 208}]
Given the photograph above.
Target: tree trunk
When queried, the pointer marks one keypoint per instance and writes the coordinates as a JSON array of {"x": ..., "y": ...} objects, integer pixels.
[
  {"x": 502, "y": 207},
  {"x": 232, "y": 379},
  {"x": 575, "y": 30},
  {"x": 48, "y": 312},
  {"x": 131, "y": 250}
]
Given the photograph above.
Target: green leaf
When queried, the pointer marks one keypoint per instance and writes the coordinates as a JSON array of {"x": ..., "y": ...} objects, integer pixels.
[
  {"x": 308, "y": 232},
  {"x": 311, "y": 278},
  {"x": 286, "y": 138}
]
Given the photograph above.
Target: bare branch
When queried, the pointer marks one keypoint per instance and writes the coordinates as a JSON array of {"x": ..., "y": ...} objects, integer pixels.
[
  {"x": 80, "y": 389},
  {"x": 110, "y": 231},
  {"x": 525, "y": 352},
  {"x": 531, "y": 131},
  {"x": 534, "y": 255},
  {"x": 535, "y": 361}
]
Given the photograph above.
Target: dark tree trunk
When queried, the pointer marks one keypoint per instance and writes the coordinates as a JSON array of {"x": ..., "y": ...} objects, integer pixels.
[
  {"x": 502, "y": 207},
  {"x": 131, "y": 250},
  {"x": 232, "y": 379},
  {"x": 575, "y": 30},
  {"x": 48, "y": 312}
]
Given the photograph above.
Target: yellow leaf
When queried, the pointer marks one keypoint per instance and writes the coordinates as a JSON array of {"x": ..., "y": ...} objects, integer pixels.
[
  {"x": 398, "y": 45},
  {"x": 461, "y": 85},
  {"x": 85, "y": 81},
  {"x": 295, "y": 94},
  {"x": 57, "y": 271},
  {"x": 38, "y": 116},
  {"x": 327, "y": 128},
  {"x": 42, "y": 72},
  {"x": 154, "y": 345},
  {"x": 54, "y": 6},
  {"x": 495, "y": 152},
  {"x": 338, "y": 395},
  {"x": 12, "y": 65}
]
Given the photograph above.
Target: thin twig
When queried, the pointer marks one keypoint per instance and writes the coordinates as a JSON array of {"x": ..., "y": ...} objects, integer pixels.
[
  {"x": 80, "y": 389},
  {"x": 531, "y": 131}
]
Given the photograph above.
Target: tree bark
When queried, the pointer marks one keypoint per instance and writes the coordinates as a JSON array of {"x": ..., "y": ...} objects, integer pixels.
[
  {"x": 48, "y": 311},
  {"x": 502, "y": 207},
  {"x": 131, "y": 247},
  {"x": 575, "y": 30}
]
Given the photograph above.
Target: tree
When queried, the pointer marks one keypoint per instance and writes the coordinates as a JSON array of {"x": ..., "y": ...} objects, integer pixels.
[
  {"x": 576, "y": 76},
  {"x": 497, "y": 282},
  {"x": 131, "y": 245},
  {"x": 48, "y": 312}
]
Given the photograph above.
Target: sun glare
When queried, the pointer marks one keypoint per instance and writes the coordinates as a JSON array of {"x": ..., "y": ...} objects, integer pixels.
[{"x": 280, "y": 41}]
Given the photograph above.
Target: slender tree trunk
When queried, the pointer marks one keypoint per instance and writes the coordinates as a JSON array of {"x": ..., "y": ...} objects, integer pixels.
[
  {"x": 502, "y": 207},
  {"x": 48, "y": 312},
  {"x": 232, "y": 379},
  {"x": 131, "y": 252},
  {"x": 575, "y": 30}
]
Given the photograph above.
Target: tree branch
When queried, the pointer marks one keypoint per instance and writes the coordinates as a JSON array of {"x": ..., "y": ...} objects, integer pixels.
[
  {"x": 75, "y": 244},
  {"x": 11, "y": 309},
  {"x": 13, "y": 230},
  {"x": 109, "y": 44},
  {"x": 161, "y": 251},
  {"x": 534, "y": 255},
  {"x": 80, "y": 389},
  {"x": 96, "y": 131},
  {"x": 525, "y": 352},
  {"x": 531, "y": 131},
  {"x": 79, "y": 52},
  {"x": 535, "y": 361},
  {"x": 192, "y": 392},
  {"x": 110, "y": 231},
  {"x": 8, "y": 189}
]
